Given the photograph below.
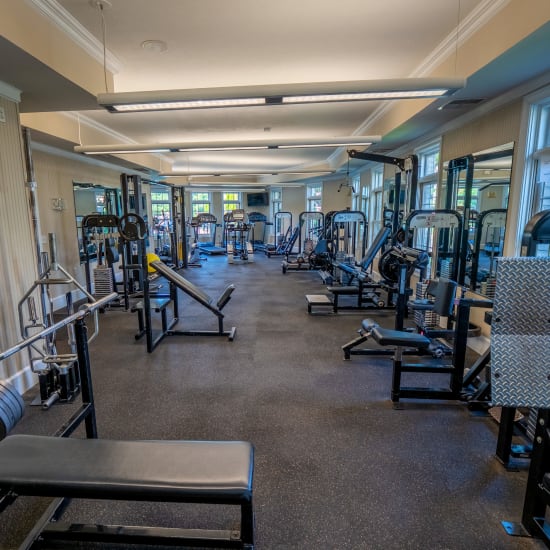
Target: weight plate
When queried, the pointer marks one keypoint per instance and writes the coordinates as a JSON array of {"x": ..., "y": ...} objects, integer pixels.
[
  {"x": 11, "y": 389},
  {"x": 8, "y": 402},
  {"x": 6, "y": 418},
  {"x": 3, "y": 429}
]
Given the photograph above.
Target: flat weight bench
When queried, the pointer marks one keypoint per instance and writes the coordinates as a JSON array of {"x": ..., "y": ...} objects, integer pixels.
[{"x": 208, "y": 472}]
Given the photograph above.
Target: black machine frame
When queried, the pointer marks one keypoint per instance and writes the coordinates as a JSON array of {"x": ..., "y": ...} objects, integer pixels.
[{"x": 49, "y": 528}]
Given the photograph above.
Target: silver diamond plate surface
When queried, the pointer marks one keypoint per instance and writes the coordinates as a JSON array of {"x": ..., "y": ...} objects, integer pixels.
[{"x": 520, "y": 333}]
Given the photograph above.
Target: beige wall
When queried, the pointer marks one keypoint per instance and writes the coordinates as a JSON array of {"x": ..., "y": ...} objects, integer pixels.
[
  {"x": 334, "y": 199},
  {"x": 18, "y": 268},
  {"x": 55, "y": 176}
]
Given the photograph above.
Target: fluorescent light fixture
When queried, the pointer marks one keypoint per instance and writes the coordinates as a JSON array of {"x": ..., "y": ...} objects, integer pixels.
[
  {"x": 197, "y": 104},
  {"x": 236, "y": 173},
  {"x": 309, "y": 92},
  {"x": 272, "y": 143},
  {"x": 367, "y": 96}
]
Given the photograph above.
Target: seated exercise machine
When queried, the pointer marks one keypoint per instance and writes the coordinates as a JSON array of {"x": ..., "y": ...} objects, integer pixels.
[
  {"x": 358, "y": 280},
  {"x": 65, "y": 468},
  {"x": 177, "y": 282},
  {"x": 282, "y": 225},
  {"x": 312, "y": 245},
  {"x": 425, "y": 344}
]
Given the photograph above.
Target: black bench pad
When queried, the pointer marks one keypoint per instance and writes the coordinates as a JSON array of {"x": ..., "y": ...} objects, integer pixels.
[
  {"x": 168, "y": 471},
  {"x": 351, "y": 290},
  {"x": 387, "y": 337}
]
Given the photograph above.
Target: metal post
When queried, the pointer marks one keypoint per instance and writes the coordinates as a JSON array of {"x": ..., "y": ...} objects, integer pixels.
[{"x": 81, "y": 338}]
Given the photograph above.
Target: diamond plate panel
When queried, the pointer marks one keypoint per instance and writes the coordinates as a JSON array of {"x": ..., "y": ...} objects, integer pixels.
[{"x": 520, "y": 333}]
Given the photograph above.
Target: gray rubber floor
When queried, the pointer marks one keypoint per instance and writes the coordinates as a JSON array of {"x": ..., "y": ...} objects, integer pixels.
[{"x": 336, "y": 466}]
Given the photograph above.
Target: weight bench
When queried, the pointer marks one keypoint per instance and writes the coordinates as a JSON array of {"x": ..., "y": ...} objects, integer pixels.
[
  {"x": 200, "y": 296},
  {"x": 206, "y": 472}
]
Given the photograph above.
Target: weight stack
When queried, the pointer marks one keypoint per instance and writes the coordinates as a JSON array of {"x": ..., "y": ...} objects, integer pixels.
[
  {"x": 12, "y": 408},
  {"x": 425, "y": 319},
  {"x": 487, "y": 288},
  {"x": 103, "y": 281},
  {"x": 446, "y": 269}
]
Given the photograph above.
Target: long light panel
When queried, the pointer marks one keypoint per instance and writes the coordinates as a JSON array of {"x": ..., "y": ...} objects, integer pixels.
[
  {"x": 126, "y": 148},
  {"x": 310, "y": 92},
  {"x": 236, "y": 173}
]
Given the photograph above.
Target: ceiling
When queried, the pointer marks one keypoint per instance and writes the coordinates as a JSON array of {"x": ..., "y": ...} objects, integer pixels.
[{"x": 216, "y": 43}]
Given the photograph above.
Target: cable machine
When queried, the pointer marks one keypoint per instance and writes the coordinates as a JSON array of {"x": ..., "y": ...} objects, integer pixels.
[{"x": 408, "y": 166}]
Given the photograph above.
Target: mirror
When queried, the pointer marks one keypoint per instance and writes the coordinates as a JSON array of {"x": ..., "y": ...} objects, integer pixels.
[
  {"x": 88, "y": 199},
  {"x": 478, "y": 187}
]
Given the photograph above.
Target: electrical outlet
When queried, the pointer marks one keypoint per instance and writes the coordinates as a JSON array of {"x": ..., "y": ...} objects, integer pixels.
[{"x": 2, "y": 115}]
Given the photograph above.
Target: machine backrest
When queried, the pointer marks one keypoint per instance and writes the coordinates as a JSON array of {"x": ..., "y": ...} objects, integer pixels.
[
  {"x": 374, "y": 248},
  {"x": 444, "y": 296}
]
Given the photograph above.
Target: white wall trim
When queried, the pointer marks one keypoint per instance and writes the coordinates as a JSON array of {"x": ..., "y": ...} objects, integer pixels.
[
  {"x": 473, "y": 22},
  {"x": 9, "y": 92},
  {"x": 64, "y": 21},
  {"x": 97, "y": 126},
  {"x": 23, "y": 380},
  {"x": 37, "y": 146}
]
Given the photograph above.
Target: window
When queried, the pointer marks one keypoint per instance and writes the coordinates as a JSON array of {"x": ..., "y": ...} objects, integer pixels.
[
  {"x": 231, "y": 201},
  {"x": 428, "y": 198},
  {"x": 428, "y": 161},
  {"x": 428, "y": 170},
  {"x": 161, "y": 206},
  {"x": 365, "y": 201},
  {"x": 276, "y": 201},
  {"x": 200, "y": 204},
  {"x": 542, "y": 154},
  {"x": 314, "y": 197},
  {"x": 356, "y": 190},
  {"x": 376, "y": 205}
]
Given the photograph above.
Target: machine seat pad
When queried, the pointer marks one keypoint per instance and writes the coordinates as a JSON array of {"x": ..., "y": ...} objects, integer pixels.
[
  {"x": 351, "y": 289},
  {"x": 387, "y": 337},
  {"x": 166, "y": 471},
  {"x": 421, "y": 304},
  {"x": 368, "y": 324}
]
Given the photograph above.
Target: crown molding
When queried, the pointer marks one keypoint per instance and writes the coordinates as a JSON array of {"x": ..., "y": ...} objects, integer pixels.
[
  {"x": 473, "y": 22},
  {"x": 72, "y": 28},
  {"x": 79, "y": 118}
]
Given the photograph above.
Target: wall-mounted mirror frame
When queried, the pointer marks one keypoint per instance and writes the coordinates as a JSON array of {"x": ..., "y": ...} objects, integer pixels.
[
  {"x": 90, "y": 198},
  {"x": 478, "y": 186}
]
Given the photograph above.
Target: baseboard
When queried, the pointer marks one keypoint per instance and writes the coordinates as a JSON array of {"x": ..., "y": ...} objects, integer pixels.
[
  {"x": 23, "y": 380},
  {"x": 60, "y": 302}
]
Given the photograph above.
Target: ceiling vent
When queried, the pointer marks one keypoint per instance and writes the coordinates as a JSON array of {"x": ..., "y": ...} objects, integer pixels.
[{"x": 461, "y": 103}]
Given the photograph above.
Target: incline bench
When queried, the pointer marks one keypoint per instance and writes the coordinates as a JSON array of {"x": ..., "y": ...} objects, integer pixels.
[
  {"x": 200, "y": 296},
  {"x": 211, "y": 472}
]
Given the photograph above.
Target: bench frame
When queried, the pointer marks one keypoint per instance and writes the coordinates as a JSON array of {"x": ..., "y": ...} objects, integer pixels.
[
  {"x": 160, "y": 302},
  {"x": 49, "y": 528}
]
